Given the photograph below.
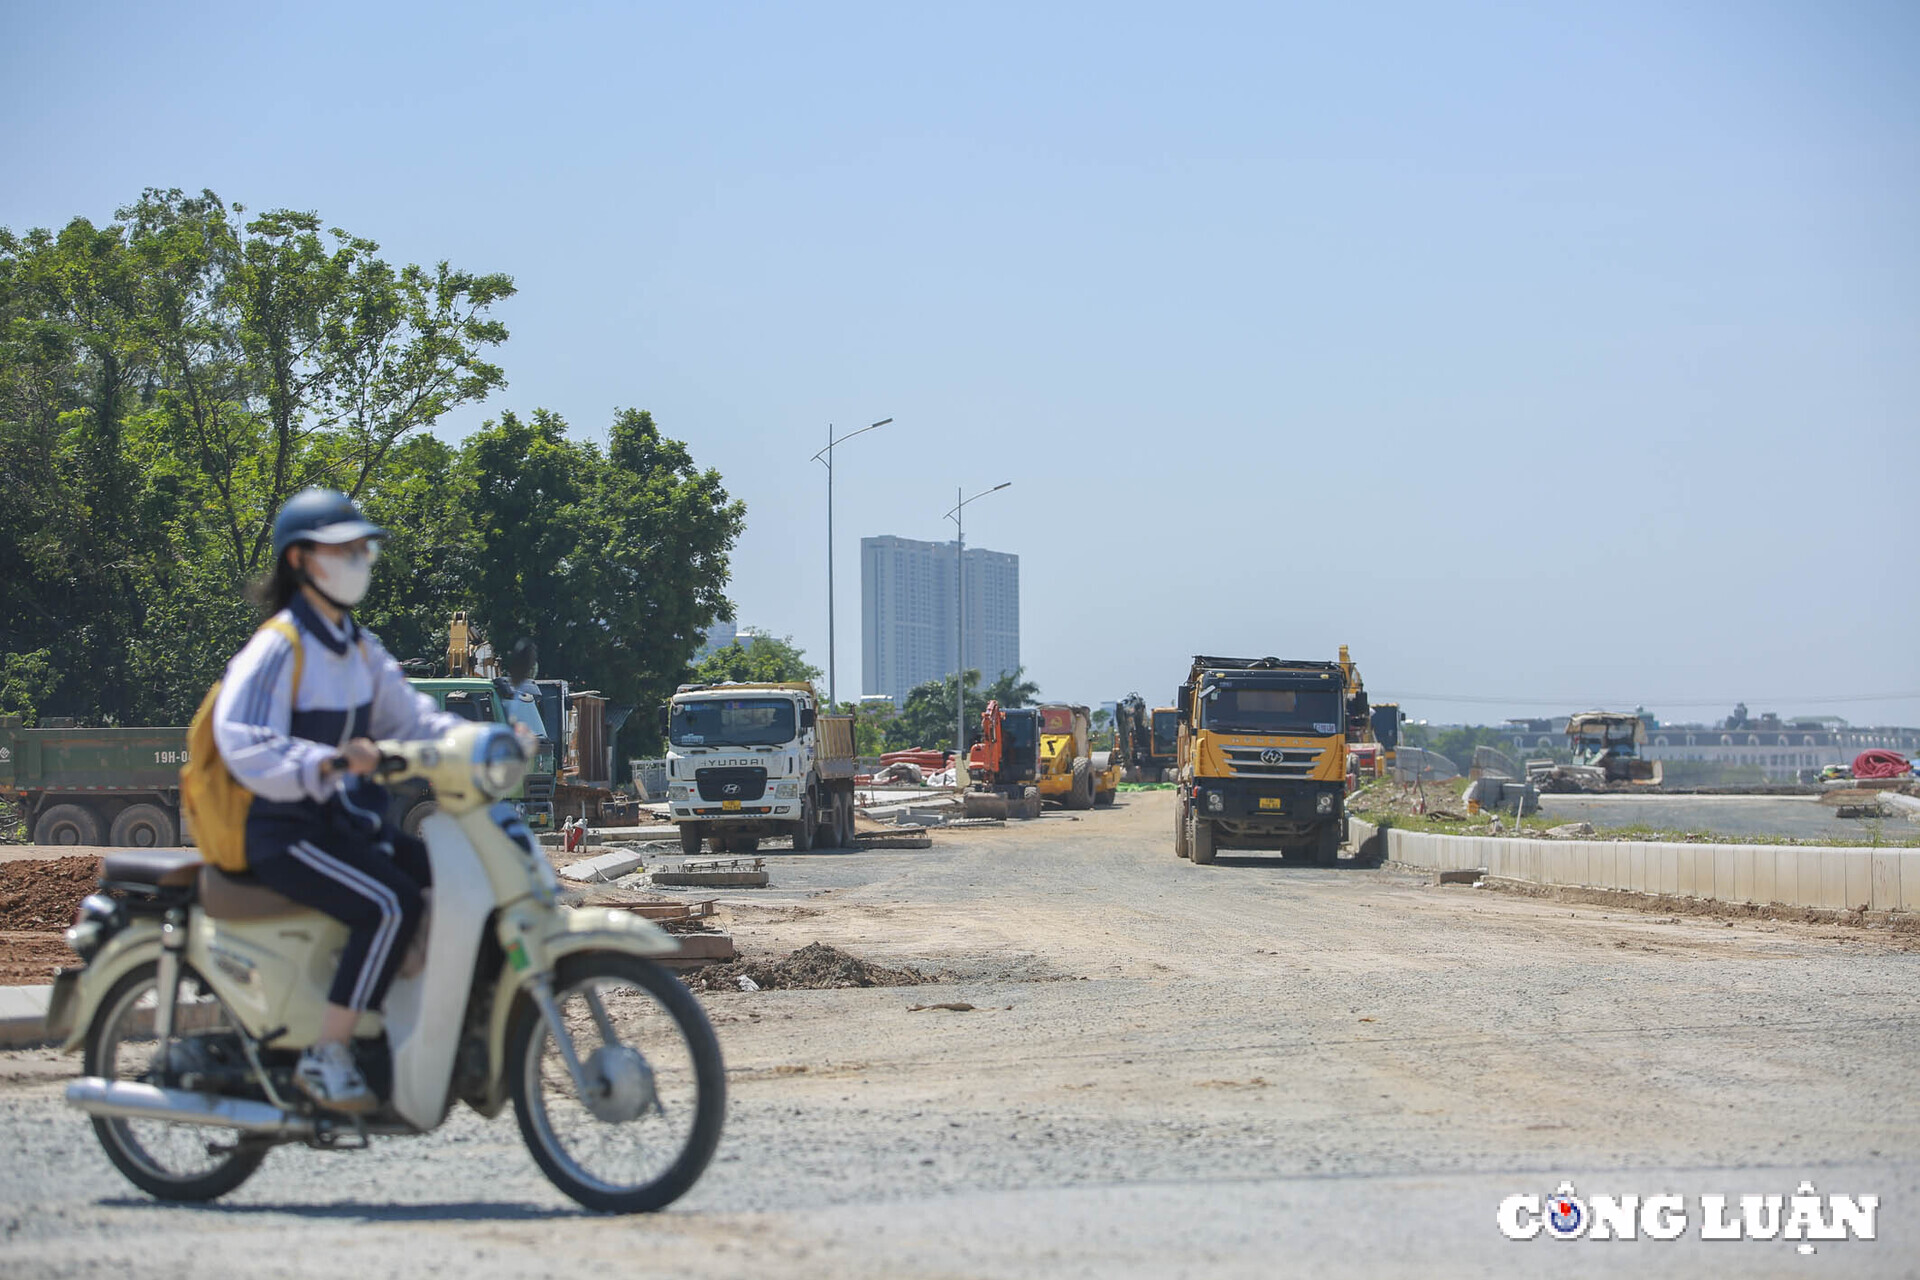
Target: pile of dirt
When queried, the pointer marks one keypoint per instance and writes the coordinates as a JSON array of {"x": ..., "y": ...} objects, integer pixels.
[
  {"x": 814, "y": 967},
  {"x": 41, "y": 894}
]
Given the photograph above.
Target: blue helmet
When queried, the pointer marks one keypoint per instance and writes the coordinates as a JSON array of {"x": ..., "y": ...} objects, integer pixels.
[{"x": 320, "y": 515}]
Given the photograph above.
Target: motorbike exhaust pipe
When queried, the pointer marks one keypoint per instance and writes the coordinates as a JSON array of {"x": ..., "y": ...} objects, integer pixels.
[{"x": 125, "y": 1100}]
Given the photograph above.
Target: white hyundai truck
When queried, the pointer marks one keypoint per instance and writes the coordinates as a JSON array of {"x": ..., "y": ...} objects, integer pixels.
[{"x": 746, "y": 761}]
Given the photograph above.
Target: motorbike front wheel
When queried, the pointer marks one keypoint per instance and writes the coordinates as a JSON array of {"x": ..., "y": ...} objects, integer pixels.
[
  {"x": 657, "y": 1088},
  {"x": 170, "y": 1161}
]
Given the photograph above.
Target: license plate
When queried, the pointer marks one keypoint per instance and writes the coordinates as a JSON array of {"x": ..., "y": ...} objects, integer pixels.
[
  {"x": 1272, "y": 802},
  {"x": 731, "y": 806}
]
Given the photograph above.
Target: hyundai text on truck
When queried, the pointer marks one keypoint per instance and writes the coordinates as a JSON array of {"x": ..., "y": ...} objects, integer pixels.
[
  {"x": 753, "y": 761},
  {"x": 1263, "y": 757}
]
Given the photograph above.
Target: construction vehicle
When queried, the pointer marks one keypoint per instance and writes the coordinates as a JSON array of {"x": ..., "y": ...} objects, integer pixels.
[
  {"x": 1263, "y": 757},
  {"x": 486, "y": 701},
  {"x": 1071, "y": 773},
  {"x": 1146, "y": 743},
  {"x": 1004, "y": 765},
  {"x": 80, "y": 786},
  {"x": 1606, "y": 748},
  {"x": 747, "y": 761}
]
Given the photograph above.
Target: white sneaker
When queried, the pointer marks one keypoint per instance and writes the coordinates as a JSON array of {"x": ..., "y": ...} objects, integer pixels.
[{"x": 326, "y": 1074}]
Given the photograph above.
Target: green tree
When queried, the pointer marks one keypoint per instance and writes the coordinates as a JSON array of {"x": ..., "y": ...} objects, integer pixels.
[
  {"x": 762, "y": 660},
  {"x": 165, "y": 383},
  {"x": 613, "y": 564},
  {"x": 1011, "y": 690},
  {"x": 927, "y": 718}
]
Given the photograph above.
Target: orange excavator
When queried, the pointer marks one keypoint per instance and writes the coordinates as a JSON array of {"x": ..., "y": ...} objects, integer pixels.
[{"x": 1005, "y": 764}]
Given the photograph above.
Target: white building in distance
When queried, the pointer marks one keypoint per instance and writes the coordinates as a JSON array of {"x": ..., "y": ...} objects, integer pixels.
[{"x": 907, "y": 602}]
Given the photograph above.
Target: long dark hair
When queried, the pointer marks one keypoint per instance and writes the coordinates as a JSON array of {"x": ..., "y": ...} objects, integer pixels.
[{"x": 276, "y": 590}]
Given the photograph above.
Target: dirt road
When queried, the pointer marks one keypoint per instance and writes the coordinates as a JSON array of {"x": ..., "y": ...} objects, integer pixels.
[{"x": 1239, "y": 1070}]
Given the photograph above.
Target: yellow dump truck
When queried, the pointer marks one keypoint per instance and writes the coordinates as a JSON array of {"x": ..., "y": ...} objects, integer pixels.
[{"x": 1262, "y": 762}]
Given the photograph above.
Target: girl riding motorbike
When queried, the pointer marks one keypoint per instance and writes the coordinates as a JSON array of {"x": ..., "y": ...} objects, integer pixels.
[{"x": 316, "y": 831}]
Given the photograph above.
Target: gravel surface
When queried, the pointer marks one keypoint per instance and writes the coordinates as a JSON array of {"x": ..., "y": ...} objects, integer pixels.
[
  {"x": 1800, "y": 817},
  {"x": 1237, "y": 1070}
]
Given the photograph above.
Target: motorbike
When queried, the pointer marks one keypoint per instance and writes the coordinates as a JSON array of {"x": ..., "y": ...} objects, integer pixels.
[{"x": 200, "y": 989}]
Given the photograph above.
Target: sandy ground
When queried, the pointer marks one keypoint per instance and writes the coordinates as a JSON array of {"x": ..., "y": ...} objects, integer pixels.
[{"x": 1240, "y": 1070}]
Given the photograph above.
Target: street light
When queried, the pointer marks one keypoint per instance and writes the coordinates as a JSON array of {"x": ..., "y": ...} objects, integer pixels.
[
  {"x": 960, "y": 623},
  {"x": 825, "y": 458}
]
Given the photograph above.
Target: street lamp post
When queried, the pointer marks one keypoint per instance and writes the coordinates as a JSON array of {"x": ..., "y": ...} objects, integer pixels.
[
  {"x": 960, "y": 622},
  {"x": 825, "y": 458}
]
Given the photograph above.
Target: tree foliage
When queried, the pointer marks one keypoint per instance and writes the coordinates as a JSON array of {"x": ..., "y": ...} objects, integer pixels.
[
  {"x": 762, "y": 660},
  {"x": 169, "y": 379}
]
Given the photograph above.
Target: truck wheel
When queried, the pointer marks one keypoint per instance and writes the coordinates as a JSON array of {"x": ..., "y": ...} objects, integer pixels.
[
  {"x": 143, "y": 826},
  {"x": 1199, "y": 840},
  {"x": 410, "y": 821},
  {"x": 1101, "y": 799},
  {"x": 67, "y": 824},
  {"x": 1326, "y": 845},
  {"x": 803, "y": 829},
  {"x": 1180, "y": 828},
  {"x": 845, "y": 807},
  {"x": 689, "y": 839},
  {"x": 1081, "y": 795}
]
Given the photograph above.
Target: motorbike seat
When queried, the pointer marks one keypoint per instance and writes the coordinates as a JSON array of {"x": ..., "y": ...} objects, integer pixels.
[
  {"x": 158, "y": 868},
  {"x": 230, "y": 897}
]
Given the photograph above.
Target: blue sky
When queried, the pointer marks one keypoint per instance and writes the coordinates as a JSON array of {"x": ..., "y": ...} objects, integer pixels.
[{"x": 1555, "y": 353}]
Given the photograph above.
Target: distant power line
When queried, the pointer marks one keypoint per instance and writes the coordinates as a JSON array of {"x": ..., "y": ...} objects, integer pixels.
[{"x": 1483, "y": 700}]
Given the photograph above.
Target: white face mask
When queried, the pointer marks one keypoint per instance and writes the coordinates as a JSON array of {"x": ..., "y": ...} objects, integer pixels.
[{"x": 342, "y": 579}]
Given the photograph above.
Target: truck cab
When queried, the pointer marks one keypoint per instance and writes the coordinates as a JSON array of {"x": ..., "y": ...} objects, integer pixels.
[
  {"x": 747, "y": 761},
  {"x": 1262, "y": 758},
  {"x": 495, "y": 701}
]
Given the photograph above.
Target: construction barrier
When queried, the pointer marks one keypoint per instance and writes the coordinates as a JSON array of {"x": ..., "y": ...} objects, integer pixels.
[{"x": 1823, "y": 877}]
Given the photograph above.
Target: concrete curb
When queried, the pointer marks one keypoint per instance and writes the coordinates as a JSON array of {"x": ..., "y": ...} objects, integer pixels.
[
  {"x": 23, "y": 1016},
  {"x": 605, "y": 867},
  {"x": 1817, "y": 876}
]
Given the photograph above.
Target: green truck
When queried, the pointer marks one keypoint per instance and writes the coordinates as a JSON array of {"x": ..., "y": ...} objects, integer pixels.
[{"x": 121, "y": 787}]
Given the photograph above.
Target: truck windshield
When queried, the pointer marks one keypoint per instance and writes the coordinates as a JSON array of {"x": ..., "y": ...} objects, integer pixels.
[
  {"x": 1166, "y": 732},
  {"x": 521, "y": 709},
  {"x": 471, "y": 705},
  {"x": 732, "y": 722},
  {"x": 1236, "y": 707}
]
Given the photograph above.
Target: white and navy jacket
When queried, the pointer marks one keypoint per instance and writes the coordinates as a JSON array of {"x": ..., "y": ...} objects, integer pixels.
[{"x": 275, "y": 739}]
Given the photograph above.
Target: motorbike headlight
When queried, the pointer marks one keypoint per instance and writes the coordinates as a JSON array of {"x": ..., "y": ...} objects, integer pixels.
[{"x": 498, "y": 763}]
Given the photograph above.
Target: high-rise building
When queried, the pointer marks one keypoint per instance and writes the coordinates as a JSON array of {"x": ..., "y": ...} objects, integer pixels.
[{"x": 906, "y": 614}]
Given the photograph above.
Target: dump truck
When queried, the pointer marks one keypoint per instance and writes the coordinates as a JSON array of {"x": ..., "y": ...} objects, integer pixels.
[
  {"x": 1070, "y": 771},
  {"x": 1263, "y": 757},
  {"x": 489, "y": 701},
  {"x": 81, "y": 786},
  {"x": 1145, "y": 742},
  {"x": 749, "y": 761},
  {"x": 1606, "y": 748}
]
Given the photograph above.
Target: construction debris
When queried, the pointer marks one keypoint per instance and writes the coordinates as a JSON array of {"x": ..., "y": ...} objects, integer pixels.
[
  {"x": 717, "y": 873},
  {"x": 815, "y": 967}
]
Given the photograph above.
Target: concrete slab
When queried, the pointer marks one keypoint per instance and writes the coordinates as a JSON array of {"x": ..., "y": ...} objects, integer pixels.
[
  {"x": 1786, "y": 870},
  {"x": 1909, "y": 880},
  {"x": 23, "y": 1016},
  {"x": 1723, "y": 873},
  {"x": 1857, "y": 866},
  {"x": 1764, "y": 879},
  {"x": 603, "y": 868},
  {"x": 1832, "y": 877},
  {"x": 1883, "y": 873}
]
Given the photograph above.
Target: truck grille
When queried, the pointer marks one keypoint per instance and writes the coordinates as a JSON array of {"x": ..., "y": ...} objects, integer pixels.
[
  {"x": 734, "y": 783},
  {"x": 1273, "y": 762}
]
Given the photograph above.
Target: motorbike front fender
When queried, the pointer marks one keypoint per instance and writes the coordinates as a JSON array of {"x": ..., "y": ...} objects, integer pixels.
[
  {"x": 578, "y": 929},
  {"x": 134, "y": 945}
]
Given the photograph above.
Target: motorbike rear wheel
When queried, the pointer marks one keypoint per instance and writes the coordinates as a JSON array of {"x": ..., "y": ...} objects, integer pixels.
[
  {"x": 652, "y": 1126},
  {"x": 168, "y": 1161}
]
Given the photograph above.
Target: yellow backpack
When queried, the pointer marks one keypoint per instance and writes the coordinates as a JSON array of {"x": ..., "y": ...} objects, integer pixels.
[{"x": 214, "y": 801}]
